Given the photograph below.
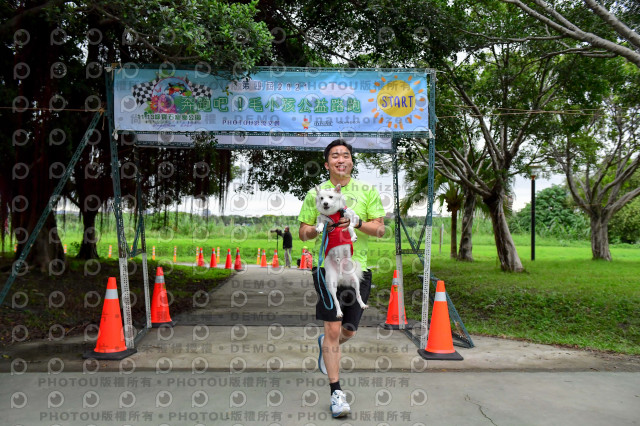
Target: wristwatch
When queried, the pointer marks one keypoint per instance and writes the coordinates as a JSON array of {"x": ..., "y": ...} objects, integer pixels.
[{"x": 359, "y": 224}]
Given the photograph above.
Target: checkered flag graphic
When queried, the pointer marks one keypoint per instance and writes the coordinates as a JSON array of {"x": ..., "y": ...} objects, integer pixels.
[
  {"x": 143, "y": 91},
  {"x": 199, "y": 90}
]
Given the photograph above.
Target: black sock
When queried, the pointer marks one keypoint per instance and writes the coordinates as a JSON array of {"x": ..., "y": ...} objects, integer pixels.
[{"x": 335, "y": 386}]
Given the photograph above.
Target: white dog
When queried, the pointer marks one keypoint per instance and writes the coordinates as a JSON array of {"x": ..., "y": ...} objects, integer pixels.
[{"x": 340, "y": 268}]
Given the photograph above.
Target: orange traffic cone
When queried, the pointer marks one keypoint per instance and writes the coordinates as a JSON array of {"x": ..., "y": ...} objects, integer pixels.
[
  {"x": 275, "y": 263},
  {"x": 214, "y": 259},
  {"x": 303, "y": 259},
  {"x": 263, "y": 263},
  {"x": 308, "y": 260},
  {"x": 238, "y": 263},
  {"x": 439, "y": 341},
  {"x": 201, "y": 258},
  {"x": 110, "y": 344},
  {"x": 393, "y": 318},
  {"x": 160, "y": 303},
  {"x": 228, "y": 264}
]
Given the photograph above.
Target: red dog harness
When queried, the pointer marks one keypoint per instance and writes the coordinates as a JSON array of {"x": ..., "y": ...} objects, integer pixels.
[{"x": 337, "y": 236}]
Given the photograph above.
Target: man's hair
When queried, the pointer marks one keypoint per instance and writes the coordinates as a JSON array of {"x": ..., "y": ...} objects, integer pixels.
[{"x": 337, "y": 142}]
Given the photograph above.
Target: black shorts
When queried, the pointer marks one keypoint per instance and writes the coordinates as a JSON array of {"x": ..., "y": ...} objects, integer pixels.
[{"x": 352, "y": 312}]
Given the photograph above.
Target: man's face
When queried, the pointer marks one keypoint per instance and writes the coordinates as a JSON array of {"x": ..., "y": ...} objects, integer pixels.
[{"x": 339, "y": 162}]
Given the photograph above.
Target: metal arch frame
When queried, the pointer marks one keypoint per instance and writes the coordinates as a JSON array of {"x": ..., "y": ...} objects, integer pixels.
[
  {"x": 461, "y": 334},
  {"x": 123, "y": 252}
]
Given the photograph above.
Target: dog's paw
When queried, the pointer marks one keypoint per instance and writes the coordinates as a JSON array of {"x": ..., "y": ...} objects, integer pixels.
[
  {"x": 339, "y": 314},
  {"x": 354, "y": 238},
  {"x": 354, "y": 218},
  {"x": 364, "y": 306},
  {"x": 319, "y": 228}
]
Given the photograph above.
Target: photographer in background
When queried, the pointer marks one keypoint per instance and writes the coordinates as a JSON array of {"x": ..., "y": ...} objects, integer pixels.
[{"x": 287, "y": 245}]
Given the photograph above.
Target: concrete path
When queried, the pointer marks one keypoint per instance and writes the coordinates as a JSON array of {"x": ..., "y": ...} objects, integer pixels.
[{"x": 247, "y": 354}]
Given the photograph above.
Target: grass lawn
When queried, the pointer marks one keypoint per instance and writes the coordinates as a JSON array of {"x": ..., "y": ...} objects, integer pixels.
[{"x": 563, "y": 297}]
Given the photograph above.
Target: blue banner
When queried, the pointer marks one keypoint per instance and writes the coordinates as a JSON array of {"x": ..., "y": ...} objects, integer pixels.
[{"x": 273, "y": 102}]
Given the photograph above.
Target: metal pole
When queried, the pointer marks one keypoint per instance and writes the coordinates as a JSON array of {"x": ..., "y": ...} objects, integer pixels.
[
  {"x": 533, "y": 217},
  {"x": 143, "y": 240},
  {"x": 430, "y": 196},
  {"x": 427, "y": 249},
  {"x": 129, "y": 332},
  {"x": 398, "y": 239}
]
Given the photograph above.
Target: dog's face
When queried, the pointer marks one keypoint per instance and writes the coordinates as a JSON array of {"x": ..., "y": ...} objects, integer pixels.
[{"x": 329, "y": 201}]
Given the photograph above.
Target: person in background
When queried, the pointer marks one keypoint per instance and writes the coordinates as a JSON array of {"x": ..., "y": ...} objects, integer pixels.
[{"x": 287, "y": 245}]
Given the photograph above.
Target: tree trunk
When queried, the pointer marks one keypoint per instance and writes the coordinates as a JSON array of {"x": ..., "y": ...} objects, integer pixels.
[
  {"x": 47, "y": 254},
  {"x": 507, "y": 253},
  {"x": 466, "y": 246},
  {"x": 165, "y": 216},
  {"x": 600, "y": 238},
  {"x": 35, "y": 180},
  {"x": 454, "y": 234},
  {"x": 88, "y": 248}
]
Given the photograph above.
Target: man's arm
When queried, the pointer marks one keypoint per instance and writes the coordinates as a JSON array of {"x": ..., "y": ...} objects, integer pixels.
[
  {"x": 307, "y": 232},
  {"x": 375, "y": 227}
]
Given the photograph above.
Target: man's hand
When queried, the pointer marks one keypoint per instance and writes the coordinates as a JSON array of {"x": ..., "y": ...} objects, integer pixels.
[
  {"x": 307, "y": 232},
  {"x": 343, "y": 222}
]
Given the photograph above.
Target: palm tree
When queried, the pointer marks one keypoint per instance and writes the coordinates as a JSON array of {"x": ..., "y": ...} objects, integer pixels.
[
  {"x": 453, "y": 196},
  {"x": 447, "y": 193}
]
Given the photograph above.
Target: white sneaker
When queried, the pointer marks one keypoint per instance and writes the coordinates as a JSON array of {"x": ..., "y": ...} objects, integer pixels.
[
  {"x": 321, "y": 366},
  {"x": 339, "y": 405}
]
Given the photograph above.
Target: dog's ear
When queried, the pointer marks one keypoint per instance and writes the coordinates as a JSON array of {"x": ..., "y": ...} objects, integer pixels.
[
  {"x": 338, "y": 188},
  {"x": 317, "y": 189}
]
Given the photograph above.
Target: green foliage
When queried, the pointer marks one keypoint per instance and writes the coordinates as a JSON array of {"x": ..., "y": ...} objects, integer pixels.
[
  {"x": 625, "y": 225},
  {"x": 555, "y": 216},
  {"x": 225, "y": 35},
  {"x": 62, "y": 35},
  {"x": 374, "y": 33},
  {"x": 285, "y": 171}
]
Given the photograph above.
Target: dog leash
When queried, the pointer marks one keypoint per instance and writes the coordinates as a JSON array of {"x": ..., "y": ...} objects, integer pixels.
[{"x": 323, "y": 245}]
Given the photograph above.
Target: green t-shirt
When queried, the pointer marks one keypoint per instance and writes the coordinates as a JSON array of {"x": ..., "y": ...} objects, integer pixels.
[{"x": 362, "y": 198}]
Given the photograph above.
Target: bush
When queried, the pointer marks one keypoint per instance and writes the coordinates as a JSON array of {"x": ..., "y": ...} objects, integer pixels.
[
  {"x": 555, "y": 216},
  {"x": 625, "y": 225}
]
